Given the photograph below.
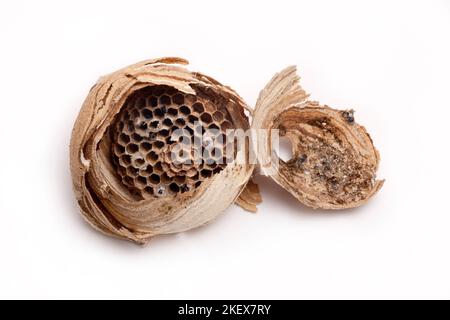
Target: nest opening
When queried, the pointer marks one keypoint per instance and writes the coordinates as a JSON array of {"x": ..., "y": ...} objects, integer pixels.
[{"x": 146, "y": 134}]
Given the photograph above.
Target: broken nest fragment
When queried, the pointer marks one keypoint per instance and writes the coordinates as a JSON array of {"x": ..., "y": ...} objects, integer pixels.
[
  {"x": 151, "y": 151},
  {"x": 334, "y": 161}
]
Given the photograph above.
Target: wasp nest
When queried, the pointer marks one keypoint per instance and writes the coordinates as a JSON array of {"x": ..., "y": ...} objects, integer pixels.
[
  {"x": 150, "y": 154},
  {"x": 153, "y": 150}
]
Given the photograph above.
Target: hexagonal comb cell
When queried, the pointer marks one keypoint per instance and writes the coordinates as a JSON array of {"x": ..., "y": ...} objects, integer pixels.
[{"x": 156, "y": 138}]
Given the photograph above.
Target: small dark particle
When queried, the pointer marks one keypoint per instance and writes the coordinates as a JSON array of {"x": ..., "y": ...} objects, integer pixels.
[
  {"x": 152, "y": 136},
  {"x": 334, "y": 181},
  {"x": 184, "y": 188},
  {"x": 301, "y": 160},
  {"x": 161, "y": 190},
  {"x": 326, "y": 165},
  {"x": 348, "y": 116}
]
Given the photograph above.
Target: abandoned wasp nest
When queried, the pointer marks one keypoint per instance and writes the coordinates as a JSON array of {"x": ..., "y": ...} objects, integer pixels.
[
  {"x": 149, "y": 150},
  {"x": 153, "y": 150}
]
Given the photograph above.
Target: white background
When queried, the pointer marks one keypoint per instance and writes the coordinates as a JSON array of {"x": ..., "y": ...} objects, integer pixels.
[{"x": 390, "y": 60}]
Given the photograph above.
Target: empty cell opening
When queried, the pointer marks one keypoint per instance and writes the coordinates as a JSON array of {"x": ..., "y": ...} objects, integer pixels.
[
  {"x": 180, "y": 122},
  {"x": 192, "y": 119},
  {"x": 132, "y": 171},
  {"x": 121, "y": 125},
  {"x": 226, "y": 125},
  {"x": 124, "y": 138},
  {"x": 141, "y": 180},
  {"x": 148, "y": 170},
  {"x": 185, "y": 110},
  {"x": 147, "y": 114},
  {"x": 180, "y": 179},
  {"x": 165, "y": 178},
  {"x": 126, "y": 159},
  {"x": 119, "y": 149},
  {"x": 140, "y": 102},
  {"x": 160, "y": 112},
  {"x": 139, "y": 162},
  {"x": 218, "y": 116},
  {"x": 158, "y": 144},
  {"x": 198, "y": 107},
  {"x": 154, "y": 124},
  {"x": 130, "y": 126},
  {"x": 153, "y": 101},
  {"x": 148, "y": 189},
  {"x": 143, "y": 126},
  {"x": 167, "y": 122},
  {"x": 174, "y": 187},
  {"x": 146, "y": 146},
  {"x": 132, "y": 148},
  {"x": 189, "y": 130},
  {"x": 178, "y": 99},
  {"x": 172, "y": 112},
  {"x": 206, "y": 173},
  {"x": 137, "y": 137},
  {"x": 128, "y": 180},
  {"x": 152, "y": 156},
  {"x": 165, "y": 100},
  {"x": 213, "y": 126},
  {"x": 154, "y": 178},
  {"x": 164, "y": 132},
  {"x": 206, "y": 117},
  {"x": 158, "y": 167}
]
